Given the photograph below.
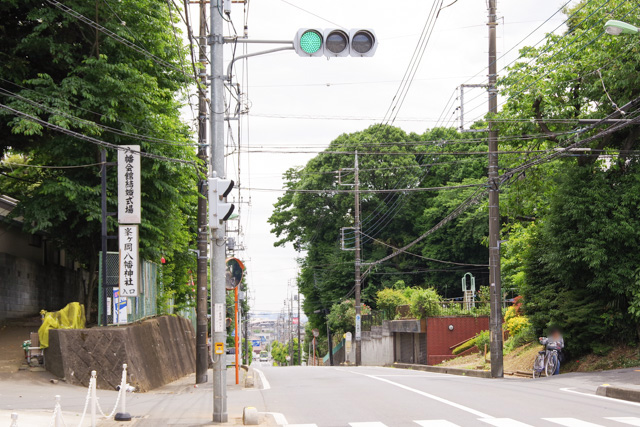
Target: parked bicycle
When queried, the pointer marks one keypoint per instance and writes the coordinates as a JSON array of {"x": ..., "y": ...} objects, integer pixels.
[{"x": 546, "y": 362}]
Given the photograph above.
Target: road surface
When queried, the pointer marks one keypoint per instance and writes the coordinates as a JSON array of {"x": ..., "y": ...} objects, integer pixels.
[{"x": 378, "y": 397}]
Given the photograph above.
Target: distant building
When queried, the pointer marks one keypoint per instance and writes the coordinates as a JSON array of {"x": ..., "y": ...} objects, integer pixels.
[{"x": 34, "y": 273}]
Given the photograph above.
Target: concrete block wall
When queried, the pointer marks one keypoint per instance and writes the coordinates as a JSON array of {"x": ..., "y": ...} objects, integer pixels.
[{"x": 27, "y": 286}]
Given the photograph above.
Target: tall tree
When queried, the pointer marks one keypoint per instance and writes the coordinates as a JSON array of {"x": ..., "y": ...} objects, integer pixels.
[{"x": 67, "y": 73}]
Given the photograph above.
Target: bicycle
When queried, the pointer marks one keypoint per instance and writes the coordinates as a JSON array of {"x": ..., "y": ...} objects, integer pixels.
[{"x": 546, "y": 361}]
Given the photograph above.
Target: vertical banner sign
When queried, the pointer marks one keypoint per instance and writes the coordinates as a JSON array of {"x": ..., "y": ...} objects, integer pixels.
[
  {"x": 218, "y": 317},
  {"x": 358, "y": 327},
  {"x": 129, "y": 261},
  {"x": 129, "y": 185}
]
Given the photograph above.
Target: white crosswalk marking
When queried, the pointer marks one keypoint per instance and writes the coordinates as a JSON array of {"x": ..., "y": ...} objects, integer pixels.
[
  {"x": 371, "y": 424},
  {"x": 503, "y": 422},
  {"x": 571, "y": 422},
  {"x": 435, "y": 423},
  {"x": 630, "y": 421},
  {"x": 302, "y": 425}
]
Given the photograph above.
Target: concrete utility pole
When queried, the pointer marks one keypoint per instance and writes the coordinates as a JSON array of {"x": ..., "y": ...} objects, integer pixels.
[
  {"x": 299, "y": 341},
  {"x": 218, "y": 309},
  {"x": 202, "y": 356},
  {"x": 497, "y": 370},
  {"x": 358, "y": 255}
]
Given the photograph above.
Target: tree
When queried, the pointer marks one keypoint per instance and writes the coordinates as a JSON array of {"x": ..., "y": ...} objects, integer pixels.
[
  {"x": 68, "y": 74},
  {"x": 311, "y": 222}
]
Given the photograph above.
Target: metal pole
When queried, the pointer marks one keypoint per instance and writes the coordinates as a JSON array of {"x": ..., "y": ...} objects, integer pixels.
[
  {"x": 103, "y": 178},
  {"x": 497, "y": 370},
  {"x": 299, "y": 341},
  {"x": 237, "y": 333},
  {"x": 202, "y": 353},
  {"x": 330, "y": 344},
  {"x": 218, "y": 309},
  {"x": 357, "y": 220}
]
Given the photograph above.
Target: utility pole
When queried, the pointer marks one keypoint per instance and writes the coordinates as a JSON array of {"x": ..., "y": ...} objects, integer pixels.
[
  {"x": 218, "y": 309},
  {"x": 299, "y": 344},
  {"x": 202, "y": 356},
  {"x": 497, "y": 370},
  {"x": 357, "y": 225}
]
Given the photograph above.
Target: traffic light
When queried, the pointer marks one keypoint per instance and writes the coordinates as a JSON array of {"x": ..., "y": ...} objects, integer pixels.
[
  {"x": 219, "y": 209},
  {"x": 334, "y": 42}
]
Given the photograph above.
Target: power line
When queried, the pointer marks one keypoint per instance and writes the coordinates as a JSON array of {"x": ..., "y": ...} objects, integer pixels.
[
  {"x": 391, "y": 190},
  {"x": 89, "y": 138}
]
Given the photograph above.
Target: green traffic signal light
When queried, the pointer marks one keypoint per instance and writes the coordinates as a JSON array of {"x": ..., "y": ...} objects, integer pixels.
[{"x": 310, "y": 41}]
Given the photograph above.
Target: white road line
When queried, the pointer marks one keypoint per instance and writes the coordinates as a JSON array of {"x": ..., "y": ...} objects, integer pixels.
[
  {"x": 302, "y": 425},
  {"x": 504, "y": 422},
  {"x": 430, "y": 396},
  {"x": 371, "y": 424},
  {"x": 630, "y": 421},
  {"x": 263, "y": 380},
  {"x": 435, "y": 423},
  {"x": 610, "y": 399},
  {"x": 571, "y": 422}
]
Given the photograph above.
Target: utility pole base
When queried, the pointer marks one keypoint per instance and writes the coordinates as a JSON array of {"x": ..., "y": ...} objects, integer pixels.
[{"x": 220, "y": 418}]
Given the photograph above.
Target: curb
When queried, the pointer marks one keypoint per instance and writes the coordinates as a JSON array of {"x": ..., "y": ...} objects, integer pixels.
[
  {"x": 444, "y": 370},
  {"x": 632, "y": 395}
]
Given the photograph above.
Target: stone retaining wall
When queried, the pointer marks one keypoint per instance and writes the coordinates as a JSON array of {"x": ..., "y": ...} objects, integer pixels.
[{"x": 157, "y": 351}]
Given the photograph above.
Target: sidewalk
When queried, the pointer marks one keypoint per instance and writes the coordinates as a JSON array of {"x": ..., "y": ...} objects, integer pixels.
[{"x": 181, "y": 403}]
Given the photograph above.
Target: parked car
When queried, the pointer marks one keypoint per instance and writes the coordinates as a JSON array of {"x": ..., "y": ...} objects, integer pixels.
[{"x": 231, "y": 356}]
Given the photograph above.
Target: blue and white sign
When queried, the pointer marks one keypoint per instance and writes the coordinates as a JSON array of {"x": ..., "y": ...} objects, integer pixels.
[{"x": 358, "y": 327}]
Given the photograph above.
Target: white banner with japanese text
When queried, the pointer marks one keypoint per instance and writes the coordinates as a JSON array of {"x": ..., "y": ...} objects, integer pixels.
[
  {"x": 129, "y": 261},
  {"x": 129, "y": 185}
]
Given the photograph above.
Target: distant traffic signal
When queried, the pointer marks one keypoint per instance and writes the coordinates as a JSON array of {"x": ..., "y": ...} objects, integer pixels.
[
  {"x": 334, "y": 42},
  {"x": 219, "y": 209}
]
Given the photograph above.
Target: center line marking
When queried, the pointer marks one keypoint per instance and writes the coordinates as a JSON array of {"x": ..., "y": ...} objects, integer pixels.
[{"x": 430, "y": 396}]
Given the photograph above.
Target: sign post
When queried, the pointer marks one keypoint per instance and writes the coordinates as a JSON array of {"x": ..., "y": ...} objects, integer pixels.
[
  {"x": 129, "y": 211},
  {"x": 358, "y": 327},
  {"x": 129, "y": 261}
]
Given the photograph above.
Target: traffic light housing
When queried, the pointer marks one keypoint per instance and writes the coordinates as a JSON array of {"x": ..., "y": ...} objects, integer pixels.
[
  {"x": 335, "y": 42},
  {"x": 219, "y": 209}
]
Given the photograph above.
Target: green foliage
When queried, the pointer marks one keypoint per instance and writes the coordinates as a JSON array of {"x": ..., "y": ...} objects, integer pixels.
[
  {"x": 72, "y": 76},
  {"x": 482, "y": 339},
  {"x": 279, "y": 352},
  {"x": 425, "y": 303},
  {"x": 311, "y": 222},
  {"x": 342, "y": 317},
  {"x": 389, "y": 299},
  {"x": 463, "y": 347},
  {"x": 249, "y": 353}
]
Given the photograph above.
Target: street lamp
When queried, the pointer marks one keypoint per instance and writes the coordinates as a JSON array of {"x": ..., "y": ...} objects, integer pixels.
[{"x": 615, "y": 28}]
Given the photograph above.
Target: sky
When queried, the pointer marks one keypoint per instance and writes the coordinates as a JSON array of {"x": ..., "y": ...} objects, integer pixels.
[{"x": 305, "y": 103}]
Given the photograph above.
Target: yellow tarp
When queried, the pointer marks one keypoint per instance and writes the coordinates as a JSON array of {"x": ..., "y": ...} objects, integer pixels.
[{"x": 70, "y": 317}]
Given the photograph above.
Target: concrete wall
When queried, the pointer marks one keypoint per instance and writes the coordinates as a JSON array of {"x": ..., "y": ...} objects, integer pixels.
[
  {"x": 441, "y": 340},
  {"x": 157, "y": 351},
  {"x": 377, "y": 347},
  {"x": 27, "y": 286}
]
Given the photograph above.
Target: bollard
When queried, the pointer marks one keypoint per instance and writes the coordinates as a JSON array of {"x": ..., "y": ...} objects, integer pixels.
[
  {"x": 123, "y": 415},
  {"x": 14, "y": 419},
  {"x": 94, "y": 398},
  {"x": 59, "y": 422}
]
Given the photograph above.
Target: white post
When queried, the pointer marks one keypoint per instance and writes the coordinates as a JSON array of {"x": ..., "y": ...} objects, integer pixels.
[
  {"x": 14, "y": 419},
  {"x": 123, "y": 415},
  {"x": 59, "y": 422},
  {"x": 94, "y": 398}
]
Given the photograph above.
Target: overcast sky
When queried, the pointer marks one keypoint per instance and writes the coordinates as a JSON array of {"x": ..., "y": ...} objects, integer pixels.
[{"x": 284, "y": 88}]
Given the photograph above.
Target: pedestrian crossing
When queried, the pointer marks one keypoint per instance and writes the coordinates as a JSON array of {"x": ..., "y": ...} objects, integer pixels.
[{"x": 506, "y": 422}]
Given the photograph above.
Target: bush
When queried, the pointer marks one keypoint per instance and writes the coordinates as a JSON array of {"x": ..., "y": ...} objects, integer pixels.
[
  {"x": 389, "y": 299},
  {"x": 425, "y": 303},
  {"x": 464, "y": 347},
  {"x": 516, "y": 324},
  {"x": 342, "y": 317},
  {"x": 523, "y": 336},
  {"x": 482, "y": 338}
]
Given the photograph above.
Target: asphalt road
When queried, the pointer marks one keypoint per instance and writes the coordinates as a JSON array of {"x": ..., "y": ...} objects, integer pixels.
[{"x": 377, "y": 397}]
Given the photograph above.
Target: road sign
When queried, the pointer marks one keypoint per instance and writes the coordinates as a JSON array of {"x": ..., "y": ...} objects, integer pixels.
[
  {"x": 315, "y": 332},
  {"x": 358, "y": 327}
]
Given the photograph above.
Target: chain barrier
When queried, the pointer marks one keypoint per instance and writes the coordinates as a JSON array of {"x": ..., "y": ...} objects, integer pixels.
[
  {"x": 123, "y": 389},
  {"x": 58, "y": 421}
]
